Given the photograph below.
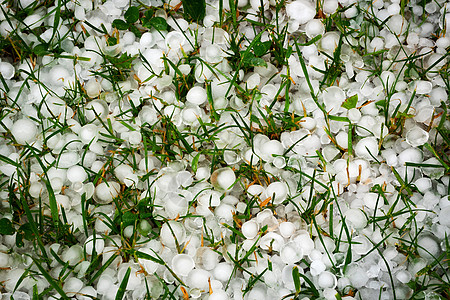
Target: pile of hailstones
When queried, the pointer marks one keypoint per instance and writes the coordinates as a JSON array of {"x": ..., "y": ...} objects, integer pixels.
[{"x": 209, "y": 272}]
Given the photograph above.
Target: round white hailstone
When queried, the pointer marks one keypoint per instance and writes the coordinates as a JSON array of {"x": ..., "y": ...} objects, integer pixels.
[
  {"x": 388, "y": 79},
  {"x": 327, "y": 280},
  {"x": 4, "y": 260},
  {"x": 278, "y": 191},
  {"x": 223, "y": 271},
  {"x": 290, "y": 253},
  {"x": 225, "y": 211},
  {"x": 329, "y": 152},
  {"x": 253, "y": 81},
  {"x": 342, "y": 139},
  {"x": 88, "y": 133},
  {"x": 72, "y": 286},
  {"x": 203, "y": 173},
  {"x": 301, "y": 11},
  {"x": 147, "y": 40},
  {"x": 397, "y": 24},
  {"x": 286, "y": 276},
  {"x": 93, "y": 88},
  {"x": 96, "y": 109},
  {"x": 170, "y": 231},
  {"x": 333, "y": 98},
  {"x": 73, "y": 255},
  {"x": 305, "y": 242},
  {"x": 99, "y": 244},
  {"x": 198, "y": 278},
  {"x": 218, "y": 295},
  {"x": 68, "y": 159},
  {"x": 416, "y": 136},
  {"x": 7, "y": 70},
  {"x": 354, "y": 115},
  {"x": 410, "y": 155},
  {"x": 76, "y": 174},
  {"x": 196, "y": 95},
  {"x": 223, "y": 178},
  {"x": 123, "y": 171},
  {"x": 330, "y": 6},
  {"x": 182, "y": 264},
  {"x": 213, "y": 54},
  {"x": 175, "y": 40},
  {"x": 272, "y": 148},
  {"x": 329, "y": 42},
  {"x": 428, "y": 246},
  {"x": 357, "y": 275},
  {"x": 403, "y": 276},
  {"x": 250, "y": 229},
  {"x": 64, "y": 201},
  {"x": 367, "y": 148},
  {"x": 356, "y": 217},
  {"x": 423, "y": 87},
  {"x": 444, "y": 216},
  {"x": 287, "y": 229},
  {"x": 372, "y": 200},
  {"x": 308, "y": 123},
  {"x": 251, "y": 158},
  {"x": 317, "y": 267},
  {"x": 423, "y": 184},
  {"x": 104, "y": 283},
  {"x": 437, "y": 95},
  {"x": 361, "y": 245},
  {"x": 87, "y": 293},
  {"x": 271, "y": 241},
  {"x": 190, "y": 115},
  {"x": 24, "y": 131},
  {"x": 105, "y": 192},
  {"x": 207, "y": 258}
]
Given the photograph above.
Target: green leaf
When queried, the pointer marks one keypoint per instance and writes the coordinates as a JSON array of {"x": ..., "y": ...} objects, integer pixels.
[
  {"x": 122, "y": 62},
  {"x": 158, "y": 23},
  {"x": 350, "y": 102},
  {"x": 194, "y": 164},
  {"x": 194, "y": 9},
  {"x": 258, "y": 62},
  {"x": 41, "y": 49},
  {"x": 136, "y": 31},
  {"x": 123, "y": 285},
  {"x": 131, "y": 15},
  {"x": 128, "y": 218},
  {"x": 120, "y": 24},
  {"x": 6, "y": 227},
  {"x": 261, "y": 48},
  {"x": 296, "y": 277}
]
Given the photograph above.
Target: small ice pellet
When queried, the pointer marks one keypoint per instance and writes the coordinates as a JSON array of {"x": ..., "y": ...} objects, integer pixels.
[
  {"x": 182, "y": 264},
  {"x": 416, "y": 136},
  {"x": 99, "y": 244},
  {"x": 7, "y": 70},
  {"x": 278, "y": 191},
  {"x": 327, "y": 280},
  {"x": 106, "y": 192},
  {"x": 423, "y": 87},
  {"x": 24, "y": 131},
  {"x": 314, "y": 28},
  {"x": 196, "y": 95},
  {"x": 223, "y": 178},
  {"x": 250, "y": 229},
  {"x": 72, "y": 286},
  {"x": 301, "y": 11},
  {"x": 367, "y": 148},
  {"x": 93, "y": 88}
]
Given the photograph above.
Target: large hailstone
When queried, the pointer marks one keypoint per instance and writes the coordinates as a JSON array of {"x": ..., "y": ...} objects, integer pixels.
[
  {"x": 301, "y": 10},
  {"x": 24, "y": 131}
]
